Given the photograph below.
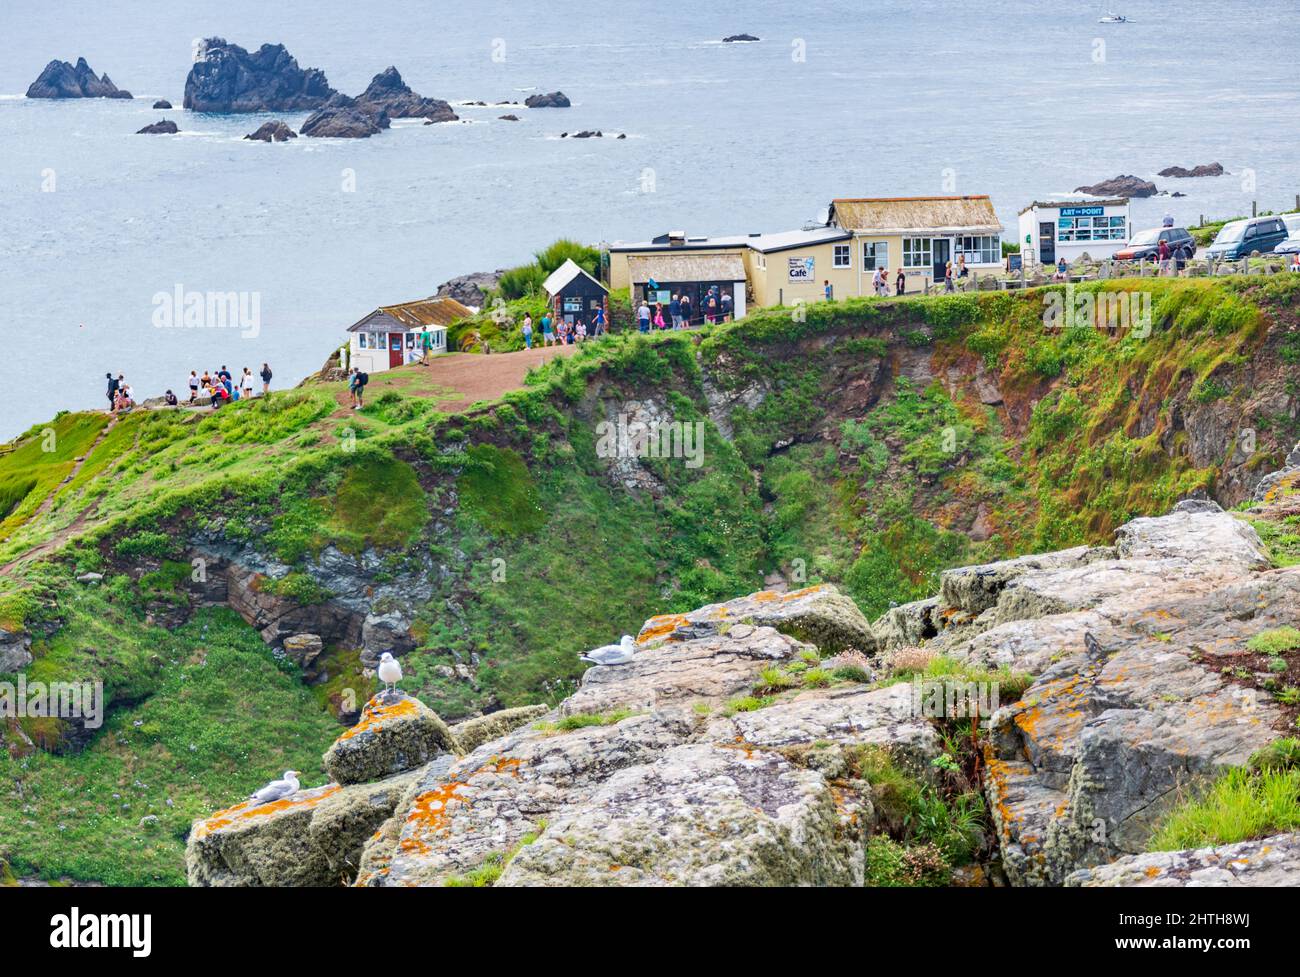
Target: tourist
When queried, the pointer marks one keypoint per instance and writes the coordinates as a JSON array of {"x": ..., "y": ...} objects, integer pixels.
[
  {"x": 900, "y": 283},
  {"x": 1062, "y": 270},
  {"x": 659, "y": 316},
  {"x": 169, "y": 399},
  {"x": 726, "y": 307},
  {"x": 947, "y": 277},
  {"x": 830, "y": 292},
  {"x": 877, "y": 282},
  {"x": 686, "y": 311},
  {"x": 1295, "y": 261},
  {"x": 112, "y": 390},
  {"x": 599, "y": 321},
  {"x": 194, "y": 386},
  {"x": 1162, "y": 252},
  {"x": 643, "y": 317},
  {"x": 528, "y": 331},
  {"x": 358, "y": 387},
  {"x": 962, "y": 270},
  {"x": 675, "y": 311},
  {"x": 246, "y": 384},
  {"x": 548, "y": 332},
  {"x": 266, "y": 378},
  {"x": 580, "y": 331}
]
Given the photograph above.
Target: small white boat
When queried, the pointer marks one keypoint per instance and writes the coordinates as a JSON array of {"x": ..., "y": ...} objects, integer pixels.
[{"x": 1112, "y": 18}]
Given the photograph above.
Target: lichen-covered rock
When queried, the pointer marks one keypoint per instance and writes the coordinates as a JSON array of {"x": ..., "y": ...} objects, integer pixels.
[
  {"x": 1272, "y": 862},
  {"x": 701, "y": 814},
  {"x": 977, "y": 588},
  {"x": 820, "y": 615},
  {"x": 391, "y": 737},
  {"x": 907, "y": 624},
  {"x": 473, "y": 733},
  {"x": 313, "y": 838}
]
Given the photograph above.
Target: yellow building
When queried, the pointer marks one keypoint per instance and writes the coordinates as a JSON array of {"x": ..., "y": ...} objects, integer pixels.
[{"x": 917, "y": 234}]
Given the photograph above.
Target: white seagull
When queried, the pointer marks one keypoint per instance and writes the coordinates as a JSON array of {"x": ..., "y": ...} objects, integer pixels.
[
  {"x": 390, "y": 673},
  {"x": 276, "y": 789},
  {"x": 619, "y": 654}
]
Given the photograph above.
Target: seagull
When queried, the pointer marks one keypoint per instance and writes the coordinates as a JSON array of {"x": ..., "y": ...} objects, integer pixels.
[
  {"x": 276, "y": 789},
  {"x": 390, "y": 673},
  {"x": 619, "y": 654}
]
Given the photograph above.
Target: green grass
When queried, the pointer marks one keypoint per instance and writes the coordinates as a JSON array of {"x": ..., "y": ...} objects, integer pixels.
[
  {"x": 1240, "y": 806},
  {"x": 1275, "y": 641},
  {"x": 582, "y": 720}
]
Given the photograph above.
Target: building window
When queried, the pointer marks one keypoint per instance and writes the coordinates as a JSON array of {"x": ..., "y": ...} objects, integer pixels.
[
  {"x": 984, "y": 249},
  {"x": 916, "y": 252},
  {"x": 842, "y": 257},
  {"x": 378, "y": 340},
  {"x": 361, "y": 340},
  {"x": 1091, "y": 229},
  {"x": 875, "y": 254}
]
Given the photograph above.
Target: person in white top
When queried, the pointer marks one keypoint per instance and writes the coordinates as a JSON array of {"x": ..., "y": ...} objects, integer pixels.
[{"x": 246, "y": 383}]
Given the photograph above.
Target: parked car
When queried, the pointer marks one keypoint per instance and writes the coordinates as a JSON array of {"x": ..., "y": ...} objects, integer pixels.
[
  {"x": 1146, "y": 244},
  {"x": 1292, "y": 244},
  {"x": 1238, "y": 239}
]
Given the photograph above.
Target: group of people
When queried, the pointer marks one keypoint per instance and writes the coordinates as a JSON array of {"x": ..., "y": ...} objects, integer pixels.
[
  {"x": 716, "y": 306},
  {"x": 557, "y": 331},
  {"x": 219, "y": 386}
]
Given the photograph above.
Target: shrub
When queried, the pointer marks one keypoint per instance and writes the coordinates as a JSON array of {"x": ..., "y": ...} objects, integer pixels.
[
  {"x": 1275, "y": 641},
  {"x": 1240, "y": 806},
  {"x": 891, "y": 864}
]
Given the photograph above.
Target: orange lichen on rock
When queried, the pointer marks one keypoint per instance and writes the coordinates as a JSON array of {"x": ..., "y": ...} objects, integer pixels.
[
  {"x": 376, "y": 713},
  {"x": 660, "y": 626},
  {"x": 248, "y": 811}
]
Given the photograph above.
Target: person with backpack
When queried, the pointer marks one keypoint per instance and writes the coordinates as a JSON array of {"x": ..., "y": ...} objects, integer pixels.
[
  {"x": 266, "y": 378},
  {"x": 112, "y": 390},
  {"x": 358, "y": 387},
  {"x": 726, "y": 306}
]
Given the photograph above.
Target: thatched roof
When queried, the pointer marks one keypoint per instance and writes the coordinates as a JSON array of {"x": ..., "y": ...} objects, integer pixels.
[
  {"x": 921, "y": 215},
  {"x": 410, "y": 316},
  {"x": 686, "y": 268}
]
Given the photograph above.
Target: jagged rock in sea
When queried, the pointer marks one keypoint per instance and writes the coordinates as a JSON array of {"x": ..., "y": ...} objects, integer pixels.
[
  {"x": 274, "y": 131},
  {"x": 387, "y": 93},
  {"x": 227, "y": 78},
  {"x": 162, "y": 103},
  {"x": 1270, "y": 862},
  {"x": 509, "y": 118},
  {"x": 551, "y": 100},
  {"x": 471, "y": 289},
  {"x": 344, "y": 123},
  {"x": 164, "y": 127},
  {"x": 1205, "y": 169},
  {"x": 738, "y": 38},
  {"x": 62, "y": 80},
  {"x": 1120, "y": 186}
]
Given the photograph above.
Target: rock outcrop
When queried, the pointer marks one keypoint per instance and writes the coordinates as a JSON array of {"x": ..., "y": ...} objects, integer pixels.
[
  {"x": 551, "y": 100},
  {"x": 63, "y": 80},
  {"x": 163, "y": 127},
  {"x": 1270, "y": 862},
  {"x": 472, "y": 289},
  {"x": 227, "y": 78},
  {"x": 388, "y": 95},
  {"x": 274, "y": 131},
  {"x": 392, "y": 736},
  {"x": 738, "y": 38},
  {"x": 1120, "y": 186},
  {"x": 1205, "y": 169},
  {"x": 343, "y": 123},
  {"x": 162, "y": 103}
]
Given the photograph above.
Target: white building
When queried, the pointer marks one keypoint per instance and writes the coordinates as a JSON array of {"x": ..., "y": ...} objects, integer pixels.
[
  {"x": 1069, "y": 228},
  {"x": 397, "y": 334}
]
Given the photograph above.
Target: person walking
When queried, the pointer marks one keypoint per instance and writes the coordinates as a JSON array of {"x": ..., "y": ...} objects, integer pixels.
[
  {"x": 900, "y": 283},
  {"x": 548, "y": 332},
  {"x": 598, "y": 322},
  {"x": 659, "y": 316},
  {"x": 528, "y": 331},
  {"x": 643, "y": 317},
  {"x": 194, "y": 386},
  {"x": 947, "y": 277},
  {"x": 830, "y": 292},
  {"x": 1163, "y": 252},
  {"x": 359, "y": 380}
]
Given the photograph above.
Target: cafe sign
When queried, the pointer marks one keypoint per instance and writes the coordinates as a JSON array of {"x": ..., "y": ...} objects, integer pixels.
[{"x": 802, "y": 270}]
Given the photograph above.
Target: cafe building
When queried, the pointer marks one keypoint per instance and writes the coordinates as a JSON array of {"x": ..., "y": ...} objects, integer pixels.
[
  {"x": 1070, "y": 228},
  {"x": 396, "y": 334}
]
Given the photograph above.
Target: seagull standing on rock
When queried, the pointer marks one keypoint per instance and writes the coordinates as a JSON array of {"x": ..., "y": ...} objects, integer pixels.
[
  {"x": 619, "y": 654},
  {"x": 277, "y": 789},
  {"x": 390, "y": 673}
]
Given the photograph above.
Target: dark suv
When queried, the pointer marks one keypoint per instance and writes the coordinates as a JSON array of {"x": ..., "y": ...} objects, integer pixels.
[
  {"x": 1146, "y": 244},
  {"x": 1239, "y": 238}
]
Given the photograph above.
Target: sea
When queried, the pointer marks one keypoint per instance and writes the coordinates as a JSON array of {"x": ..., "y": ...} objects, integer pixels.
[{"x": 101, "y": 228}]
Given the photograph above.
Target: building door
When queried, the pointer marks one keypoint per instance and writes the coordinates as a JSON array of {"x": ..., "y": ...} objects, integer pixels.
[
  {"x": 1047, "y": 242},
  {"x": 394, "y": 349},
  {"x": 939, "y": 253}
]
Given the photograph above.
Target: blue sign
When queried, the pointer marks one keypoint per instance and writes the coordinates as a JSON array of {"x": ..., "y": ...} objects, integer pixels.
[{"x": 1082, "y": 211}]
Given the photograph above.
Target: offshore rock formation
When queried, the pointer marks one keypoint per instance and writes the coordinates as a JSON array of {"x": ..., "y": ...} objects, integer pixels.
[
  {"x": 551, "y": 100},
  {"x": 275, "y": 131},
  {"x": 1120, "y": 186},
  {"x": 62, "y": 80},
  {"x": 344, "y": 123},
  {"x": 227, "y": 78},
  {"x": 388, "y": 94},
  {"x": 1205, "y": 169},
  {"x": 164, "y": 127}
]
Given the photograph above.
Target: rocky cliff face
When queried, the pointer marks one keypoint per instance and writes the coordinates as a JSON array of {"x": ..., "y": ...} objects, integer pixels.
[{"x": 667, "y": 771}]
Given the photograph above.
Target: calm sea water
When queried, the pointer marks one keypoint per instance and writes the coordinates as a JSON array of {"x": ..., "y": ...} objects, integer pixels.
[{"x": 890, "y": 98}]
